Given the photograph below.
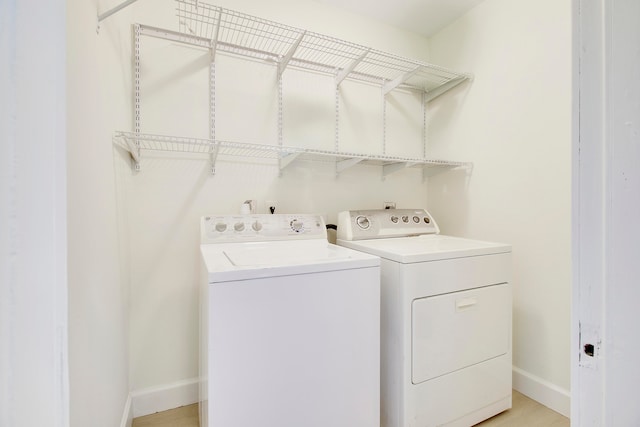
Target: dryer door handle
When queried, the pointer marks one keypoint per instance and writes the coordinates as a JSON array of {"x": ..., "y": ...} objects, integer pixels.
[{"x": 465, "y": 303}]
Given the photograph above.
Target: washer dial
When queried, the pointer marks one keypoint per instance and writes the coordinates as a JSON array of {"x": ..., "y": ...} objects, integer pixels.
[
  {"x": 363, "y": 222},
  {"x": 297, "y": 225}
]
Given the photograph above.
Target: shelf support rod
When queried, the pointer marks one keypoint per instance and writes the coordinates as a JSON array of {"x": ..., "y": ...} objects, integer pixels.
[
  {"x": 108, "y": 13},
  {"x": 287, "y": 158},
  {"x": 431, "y": 170},
  {"x": 394, "y": 167},
  {"x": 347, "y": 163},
  {"x": 214, "y": 39},
  {"x": 399, "y": 80},
  {"x": 443, "y": 88},
  {"x": 349, "y": 68},
  {"x": 134, "y": 150},
  {"x": 213, "y": 156},
  {"x": 292, "y": 50}
]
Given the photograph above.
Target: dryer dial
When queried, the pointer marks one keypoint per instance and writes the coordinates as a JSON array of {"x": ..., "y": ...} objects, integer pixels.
[{"x": 363, "y": 222}]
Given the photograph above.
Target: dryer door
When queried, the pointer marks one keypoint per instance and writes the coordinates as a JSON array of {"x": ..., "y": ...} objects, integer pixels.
[{"x": 453, "y": 331}]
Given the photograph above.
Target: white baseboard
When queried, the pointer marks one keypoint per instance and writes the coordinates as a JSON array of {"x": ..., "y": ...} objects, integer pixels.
[
  {"x": 127, "y": 415},
  {"x": 542, "y": 391},
  {"x": 169, "y": 396}
]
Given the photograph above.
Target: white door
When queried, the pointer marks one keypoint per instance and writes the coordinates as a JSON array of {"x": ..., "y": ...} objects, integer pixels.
[{"x": 606, "y": 214}]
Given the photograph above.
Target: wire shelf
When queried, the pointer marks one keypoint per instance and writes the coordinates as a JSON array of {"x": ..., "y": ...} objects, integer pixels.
[
  {"x": 136, "y": 144},
  {"x": 250, "y": 36}
]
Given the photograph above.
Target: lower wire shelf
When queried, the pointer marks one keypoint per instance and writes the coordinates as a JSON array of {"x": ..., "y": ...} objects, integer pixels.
[{"x": 137, "y": 143}]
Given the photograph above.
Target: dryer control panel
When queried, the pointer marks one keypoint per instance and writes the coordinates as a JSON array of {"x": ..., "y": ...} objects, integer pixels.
[
  {"x": 261, "y": 228},
  {"x": 383, "y": 223}
]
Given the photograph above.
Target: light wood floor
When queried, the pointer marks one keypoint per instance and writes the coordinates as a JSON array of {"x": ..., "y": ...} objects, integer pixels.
[{"x": 525, "y": 413}]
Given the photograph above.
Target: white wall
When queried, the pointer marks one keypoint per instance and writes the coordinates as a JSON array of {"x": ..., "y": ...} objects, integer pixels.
[
  {"x": 98, "y": 102},
  {"x": 514, "y": 123},
  {"x": 33, "y": 272},
  {"x": 168, "y": 196}
]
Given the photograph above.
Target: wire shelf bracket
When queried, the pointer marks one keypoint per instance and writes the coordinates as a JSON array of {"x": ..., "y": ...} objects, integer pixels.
[
  {"x": 287, "y": 158},
  {"x": 343, "y": 165},
  {"x": 292, "y": 50},
  {"x": 388, "y": 87},
  {"x": 349, "y": 68}
]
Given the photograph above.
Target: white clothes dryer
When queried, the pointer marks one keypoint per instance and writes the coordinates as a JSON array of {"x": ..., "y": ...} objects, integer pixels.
[
  {"x": 290, "y": 325},
  {"x": 445, "y": 319}
]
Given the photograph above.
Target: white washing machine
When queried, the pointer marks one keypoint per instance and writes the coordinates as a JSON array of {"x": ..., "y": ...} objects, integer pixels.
[
  {"x": 290, "y": 325},
  {"x": 445, "y": 319}
]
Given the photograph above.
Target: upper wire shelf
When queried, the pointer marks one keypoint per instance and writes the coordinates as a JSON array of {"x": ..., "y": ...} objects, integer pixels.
[{"x": 246, "y": 35}]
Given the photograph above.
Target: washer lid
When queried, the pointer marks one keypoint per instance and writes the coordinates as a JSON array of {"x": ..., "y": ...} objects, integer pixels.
[
  {"x": 425, "y": 248},
  {"x": 242, "y": 261}
]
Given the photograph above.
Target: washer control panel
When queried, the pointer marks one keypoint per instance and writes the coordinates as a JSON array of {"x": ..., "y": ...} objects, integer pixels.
[
  {"x": 384, "y": 223},
  {"x": 261, "y": 227}
]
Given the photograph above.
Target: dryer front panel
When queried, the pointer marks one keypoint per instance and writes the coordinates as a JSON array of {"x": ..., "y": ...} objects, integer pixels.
[{"x": 457, "y": 330}]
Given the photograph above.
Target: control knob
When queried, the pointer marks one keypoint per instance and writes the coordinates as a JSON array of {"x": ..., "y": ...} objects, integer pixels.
[
  {"x": 220, "y": 227},
  {"x": 363, "y": 222},
  {"x": 256, "y": 226},
  {"x": 394, "y": 219},
  {"x": 238, "y": 226},
  {"x": 405, "y": 218},
  {"x": 297, "y": 225}
]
